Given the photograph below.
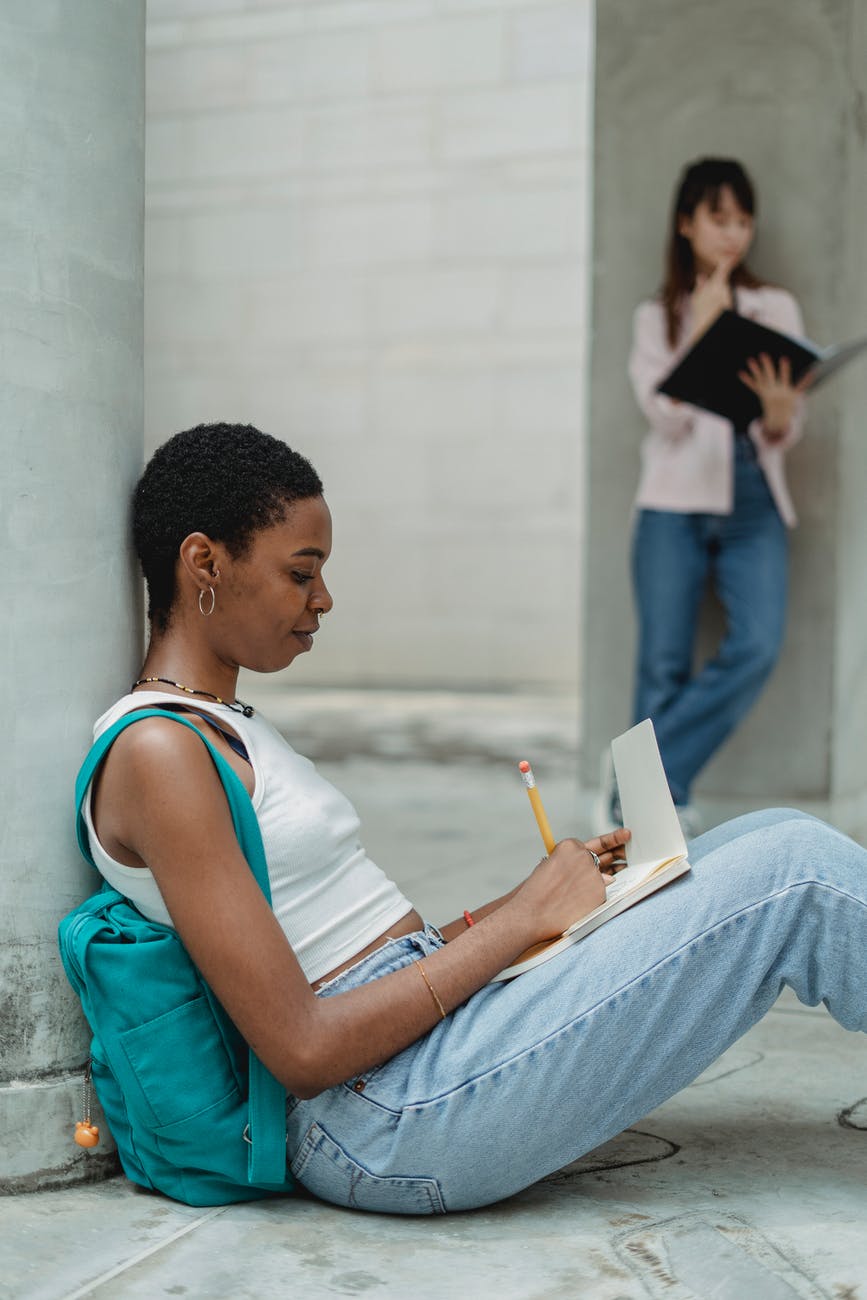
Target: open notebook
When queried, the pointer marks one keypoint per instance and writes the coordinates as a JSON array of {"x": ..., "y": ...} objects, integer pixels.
[
  {"x": 655, "y": 855},
  {"x": 707, "y": 375}
]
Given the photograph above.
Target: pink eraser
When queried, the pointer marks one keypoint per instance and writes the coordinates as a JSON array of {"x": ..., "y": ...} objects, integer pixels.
[{"x": 523, "y": 766}]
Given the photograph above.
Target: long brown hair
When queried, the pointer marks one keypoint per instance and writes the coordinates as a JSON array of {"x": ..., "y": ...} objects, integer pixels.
[{"x": 701, "y": 180}]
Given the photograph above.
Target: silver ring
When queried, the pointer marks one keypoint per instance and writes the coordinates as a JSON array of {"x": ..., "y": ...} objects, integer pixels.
[{"x": 595, "y": 857}]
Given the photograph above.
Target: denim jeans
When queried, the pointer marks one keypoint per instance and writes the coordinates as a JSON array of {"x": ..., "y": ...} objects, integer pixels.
[
  {"x": 529, "y": 1075},
  {"x": 745, "y": 554}
]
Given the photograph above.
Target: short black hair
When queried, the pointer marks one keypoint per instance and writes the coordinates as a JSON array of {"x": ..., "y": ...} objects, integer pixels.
[{"x": 226, "y": 480}]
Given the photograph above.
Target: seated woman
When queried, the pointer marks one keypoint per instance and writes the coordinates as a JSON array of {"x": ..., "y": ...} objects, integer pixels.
[{"x": 416, "y": 1085}]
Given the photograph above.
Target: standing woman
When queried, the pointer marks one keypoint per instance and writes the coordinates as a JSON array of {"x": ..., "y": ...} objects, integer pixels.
[{"x": 712, "y": 499}]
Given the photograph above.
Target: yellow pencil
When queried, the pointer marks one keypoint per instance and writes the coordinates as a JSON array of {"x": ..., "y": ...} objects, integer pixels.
[{"x": 535, "y": 799}]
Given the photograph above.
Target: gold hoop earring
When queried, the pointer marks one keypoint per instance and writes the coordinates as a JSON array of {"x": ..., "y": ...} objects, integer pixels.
[{"x": 206, "y": 613}]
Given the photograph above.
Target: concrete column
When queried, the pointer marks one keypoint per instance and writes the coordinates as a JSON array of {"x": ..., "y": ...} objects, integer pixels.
[
  {"x": 71, "y": 232},
  {"x": 782, "y": 86}
]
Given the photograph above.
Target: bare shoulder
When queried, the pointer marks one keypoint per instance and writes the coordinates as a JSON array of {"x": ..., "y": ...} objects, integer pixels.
[
  {"x": 157, "y": 780},
  {"x": 157, "y": 758},
  {"x": 159, "y": 744}
]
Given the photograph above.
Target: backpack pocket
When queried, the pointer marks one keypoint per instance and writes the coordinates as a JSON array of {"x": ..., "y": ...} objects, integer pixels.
[{"x": 179, "y": 1064}]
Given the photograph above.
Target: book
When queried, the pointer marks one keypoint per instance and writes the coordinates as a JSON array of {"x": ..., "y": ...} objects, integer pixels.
[
  {"x": 707, "y": 376},
  {"x": 655, "y": 855}
]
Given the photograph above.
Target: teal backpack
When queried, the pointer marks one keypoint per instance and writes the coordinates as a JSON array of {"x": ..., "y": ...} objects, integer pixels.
[{"x": 193, "y": 1111}]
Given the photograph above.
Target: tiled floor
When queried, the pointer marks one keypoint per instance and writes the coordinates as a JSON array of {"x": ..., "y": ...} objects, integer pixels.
[{"x": 749, "y": 1185}]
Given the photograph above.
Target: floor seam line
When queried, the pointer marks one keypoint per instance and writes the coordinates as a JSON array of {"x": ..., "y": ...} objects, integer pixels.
[{"x": 92, "y": 1286}]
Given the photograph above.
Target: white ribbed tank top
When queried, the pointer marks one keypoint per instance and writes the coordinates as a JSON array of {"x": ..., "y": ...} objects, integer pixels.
[{"x": 331, "y": 900}]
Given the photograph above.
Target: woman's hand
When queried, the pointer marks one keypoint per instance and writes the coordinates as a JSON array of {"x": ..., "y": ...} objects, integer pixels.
[
  {"x": 712, "y": 294},
  {"x": 564, "y": 887},
  {"x": 776, "y": 392},
  {"x": 610, "y": 849}
]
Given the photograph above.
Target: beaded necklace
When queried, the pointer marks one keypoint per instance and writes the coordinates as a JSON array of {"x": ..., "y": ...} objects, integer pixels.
[{"x": 237, "y": 707}]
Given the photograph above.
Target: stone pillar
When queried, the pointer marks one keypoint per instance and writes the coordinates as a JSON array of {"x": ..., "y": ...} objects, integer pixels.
[
  {"x": 782, "y": 86},
  {"x": 71, "y": 235}
]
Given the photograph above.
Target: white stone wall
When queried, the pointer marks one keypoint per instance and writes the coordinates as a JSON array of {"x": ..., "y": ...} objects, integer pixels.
[{"x": 366, "y": 232}]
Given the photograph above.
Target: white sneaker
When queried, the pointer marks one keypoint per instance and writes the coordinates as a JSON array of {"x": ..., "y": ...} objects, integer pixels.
[{"x": 690, "y": 821}]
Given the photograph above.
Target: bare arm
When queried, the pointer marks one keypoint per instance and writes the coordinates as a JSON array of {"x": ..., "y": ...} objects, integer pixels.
[{"x": 168, "y": 808}]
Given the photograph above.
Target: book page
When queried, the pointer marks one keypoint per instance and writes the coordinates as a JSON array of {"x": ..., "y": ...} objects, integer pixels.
[
  {"x": 655, "y": 855},
  {"x": 833, "y": 358},
  {"x": 630, "y": 877},
  {"x": 625, "y": 882},
  {"x": 645, "y": 802}
]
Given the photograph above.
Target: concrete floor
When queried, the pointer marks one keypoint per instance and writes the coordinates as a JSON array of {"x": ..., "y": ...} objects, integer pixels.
[{"x": 749, "y": 1184}]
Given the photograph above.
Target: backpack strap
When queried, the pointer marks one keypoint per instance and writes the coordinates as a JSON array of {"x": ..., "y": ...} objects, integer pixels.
[
  {"x": 266, "y": 1129},
  {"x": 243, "y": 817}
]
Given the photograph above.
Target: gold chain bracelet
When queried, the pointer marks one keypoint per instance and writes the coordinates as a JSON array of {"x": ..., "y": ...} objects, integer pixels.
[{"x": 423, "y": 973}]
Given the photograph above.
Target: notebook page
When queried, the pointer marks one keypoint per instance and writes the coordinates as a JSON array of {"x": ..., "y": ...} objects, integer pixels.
[
  {"x": 646, "y": 803},
  {"x": 629, "y": 877}
]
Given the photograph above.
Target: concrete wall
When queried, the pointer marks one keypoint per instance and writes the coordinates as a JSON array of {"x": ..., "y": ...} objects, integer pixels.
[
  {"x": 848, "y": 739},
  {"x": 782, "y": 86},
  {"x": 71, "y": 233},
  {"x": 366, "y": 233}
]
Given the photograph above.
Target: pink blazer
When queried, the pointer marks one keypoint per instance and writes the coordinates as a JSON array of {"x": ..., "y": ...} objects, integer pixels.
[{"x": 687, "y": 454}]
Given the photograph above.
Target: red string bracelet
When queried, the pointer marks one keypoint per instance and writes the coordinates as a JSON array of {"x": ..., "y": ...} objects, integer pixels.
[{"x": 468, "y": 917}]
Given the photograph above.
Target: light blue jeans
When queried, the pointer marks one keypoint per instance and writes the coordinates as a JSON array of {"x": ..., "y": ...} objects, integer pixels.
[
  {"x": 745, "y": 555},
  {"x": 529, "y": 1075}
]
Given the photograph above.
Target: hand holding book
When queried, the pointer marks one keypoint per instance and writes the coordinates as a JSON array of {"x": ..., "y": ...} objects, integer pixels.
[
  {"x": 655, "y": 848},
  {"x": 775, "y": 390},
  {"x": 566, "y": 883},
  {"x": 710, "y": 374}
]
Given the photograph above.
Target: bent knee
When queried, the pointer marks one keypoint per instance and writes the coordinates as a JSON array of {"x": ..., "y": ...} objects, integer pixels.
[
  {"x": 803, "y": 841},
  {"x": 784, "y": 814},
  {"x": 762, "y": 819}
]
